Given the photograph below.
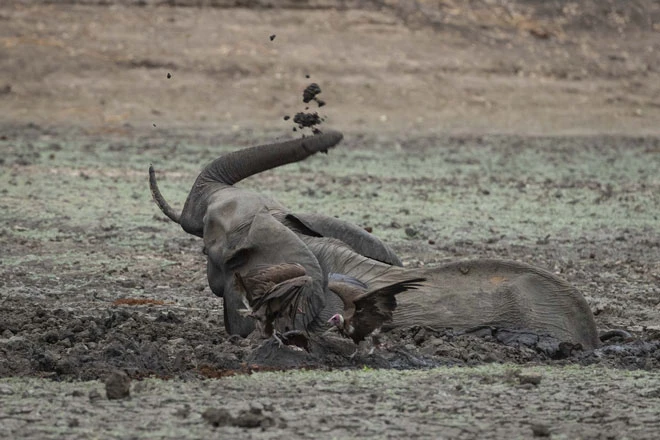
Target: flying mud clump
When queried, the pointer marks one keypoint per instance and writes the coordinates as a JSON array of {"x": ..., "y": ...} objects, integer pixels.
[
  {"x": 310, "y": 92},
  {"x": 309, "y": 119}
]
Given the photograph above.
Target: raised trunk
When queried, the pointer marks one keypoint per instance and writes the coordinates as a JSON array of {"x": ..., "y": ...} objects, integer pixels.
[{"x": 236, "y": 166}]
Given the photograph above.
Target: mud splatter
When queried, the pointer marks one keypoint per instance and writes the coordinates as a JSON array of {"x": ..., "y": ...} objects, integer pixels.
[
  {"x": 310, "y": 92},
  {"x": 307, "y": 119}
]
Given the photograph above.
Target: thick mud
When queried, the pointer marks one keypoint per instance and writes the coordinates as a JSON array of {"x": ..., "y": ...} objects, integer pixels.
[{"x": 94, "y": 279}]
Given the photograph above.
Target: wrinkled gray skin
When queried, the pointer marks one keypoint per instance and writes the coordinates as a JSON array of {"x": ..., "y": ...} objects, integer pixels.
[
  {"x": 470, "y": 294},
  {"x": 243, "y": 229}
]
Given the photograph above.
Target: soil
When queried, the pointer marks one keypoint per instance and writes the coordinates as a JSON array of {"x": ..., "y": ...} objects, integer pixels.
[{"x": 512, "y": 129}]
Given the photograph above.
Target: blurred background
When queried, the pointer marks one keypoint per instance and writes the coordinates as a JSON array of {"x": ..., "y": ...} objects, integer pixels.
[{"x": 406, "y": 67}]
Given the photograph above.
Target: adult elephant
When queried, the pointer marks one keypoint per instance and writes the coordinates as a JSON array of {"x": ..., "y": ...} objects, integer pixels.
[{"x": 243, "y": 230}]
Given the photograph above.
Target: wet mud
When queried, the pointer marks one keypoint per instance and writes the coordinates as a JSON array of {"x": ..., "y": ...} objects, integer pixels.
[{"x": 82, "y": 299}]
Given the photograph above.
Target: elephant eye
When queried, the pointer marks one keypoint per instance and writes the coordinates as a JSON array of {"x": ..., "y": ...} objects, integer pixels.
[{"x": 238, "y": 258}]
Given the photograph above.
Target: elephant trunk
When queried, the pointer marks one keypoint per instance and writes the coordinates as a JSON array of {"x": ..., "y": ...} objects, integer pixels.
[{"x": 236, "y": 166}]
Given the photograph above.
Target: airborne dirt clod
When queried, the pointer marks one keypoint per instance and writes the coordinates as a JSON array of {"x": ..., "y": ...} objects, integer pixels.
[
  {"x": 310, "y": 92},
  {"x": 307, "y": 119}
]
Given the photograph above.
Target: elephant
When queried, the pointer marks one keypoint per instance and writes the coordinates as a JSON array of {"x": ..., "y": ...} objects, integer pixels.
[
  {"x": 243, "y": 230},
  {"x": 470, "y": 294}
]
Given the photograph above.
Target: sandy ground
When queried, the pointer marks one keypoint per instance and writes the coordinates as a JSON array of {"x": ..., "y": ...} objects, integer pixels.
[{"x": 473, "y": 129}]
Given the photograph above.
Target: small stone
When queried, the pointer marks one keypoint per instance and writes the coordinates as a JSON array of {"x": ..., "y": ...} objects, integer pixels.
[
  {"x": 540, "y": 430},
  {"x": 169, "y": 75},
  {"x": 217, "y": 416},
  {"x": 94, "y": 395},
  {"x": 533, "y": 379},
  {"x": 118, "y": 386},
  {"x": 250, "y": 419},
  {"x": 272, "y": 37}
]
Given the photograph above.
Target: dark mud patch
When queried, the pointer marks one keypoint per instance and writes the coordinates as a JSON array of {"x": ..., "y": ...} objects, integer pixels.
[{"x": 151, "y": 340}]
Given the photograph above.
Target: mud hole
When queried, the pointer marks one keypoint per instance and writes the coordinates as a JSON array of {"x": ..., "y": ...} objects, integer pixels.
[{"x": 95, "y": 282}]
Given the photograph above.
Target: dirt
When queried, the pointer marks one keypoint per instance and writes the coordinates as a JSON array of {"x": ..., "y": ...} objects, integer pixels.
[{"x": 521, "y": 130}]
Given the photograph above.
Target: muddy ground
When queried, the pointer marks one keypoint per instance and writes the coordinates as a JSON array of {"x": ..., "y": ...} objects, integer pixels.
[{"x": 473, "y": 129}]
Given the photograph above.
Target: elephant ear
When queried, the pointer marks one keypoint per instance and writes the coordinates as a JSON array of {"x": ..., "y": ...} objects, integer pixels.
[
  {"x": 361, "y": 241},
  {"x": 271, "y": 243}
]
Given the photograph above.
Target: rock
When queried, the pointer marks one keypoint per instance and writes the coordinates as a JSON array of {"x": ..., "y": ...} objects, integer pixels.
[
  {"x": 118, "y": 386},
  {"x": 217, "y": 416},
  {"x": 253, "y": 418},
  {"x": 94, "y": 395},
  {"x": 540, "y": 430},
  {"x": 530, "y": 378}
]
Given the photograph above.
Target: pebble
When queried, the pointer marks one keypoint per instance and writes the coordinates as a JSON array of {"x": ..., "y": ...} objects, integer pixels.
[
  {"x": 531, "y": 378},
  {"x": 118, "y": 386},
  {"x": 540, "y": 430},
  {"x": 217, "y": 416}
]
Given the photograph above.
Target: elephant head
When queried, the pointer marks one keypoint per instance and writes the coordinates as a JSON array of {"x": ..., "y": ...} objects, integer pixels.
[{"x": 241, "y": 228}]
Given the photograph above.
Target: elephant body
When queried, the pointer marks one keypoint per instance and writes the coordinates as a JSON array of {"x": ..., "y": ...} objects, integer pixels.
[{"x": 243, "y": 229}]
